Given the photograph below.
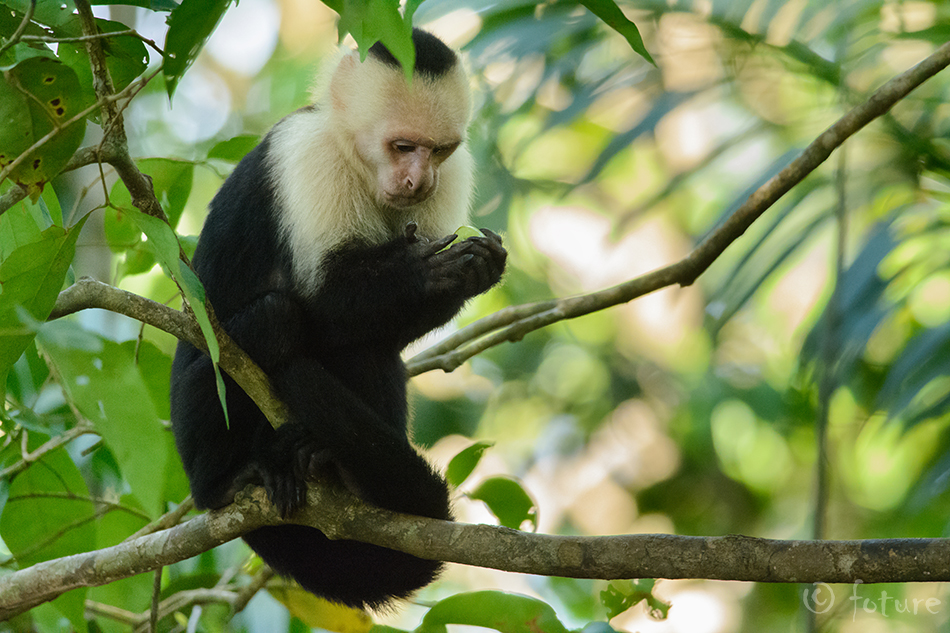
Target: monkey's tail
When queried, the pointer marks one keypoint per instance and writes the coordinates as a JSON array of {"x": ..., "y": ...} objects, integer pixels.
[{"x": 349, "y": 572}]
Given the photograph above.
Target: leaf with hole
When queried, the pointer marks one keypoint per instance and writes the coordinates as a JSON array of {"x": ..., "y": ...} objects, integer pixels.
[{"x": 53, "y": 96}]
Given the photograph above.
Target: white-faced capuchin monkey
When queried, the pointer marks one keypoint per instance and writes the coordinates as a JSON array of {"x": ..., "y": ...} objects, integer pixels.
[{"x": 324, "y": 254}]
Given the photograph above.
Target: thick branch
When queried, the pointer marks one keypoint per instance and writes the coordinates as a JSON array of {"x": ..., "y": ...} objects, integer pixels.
[
  {"x": 340, "y": 515},
  {"x": 513, "y": 323},
  {"x": 25, "y": 589}
]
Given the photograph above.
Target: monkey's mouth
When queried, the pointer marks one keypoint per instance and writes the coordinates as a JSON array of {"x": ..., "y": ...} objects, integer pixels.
[{"x": 399, "y": 201}]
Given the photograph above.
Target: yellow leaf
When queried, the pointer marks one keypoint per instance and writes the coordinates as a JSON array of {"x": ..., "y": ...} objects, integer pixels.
[{"x": 319, "y": 613}]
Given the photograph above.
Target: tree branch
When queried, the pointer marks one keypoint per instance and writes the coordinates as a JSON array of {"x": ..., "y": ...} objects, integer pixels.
[
  {"x": 340, "y": 515},
  {"x": 512, "y": 324}
]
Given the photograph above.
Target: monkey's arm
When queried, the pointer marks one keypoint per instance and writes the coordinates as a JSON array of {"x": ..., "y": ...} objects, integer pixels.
[
  {"x": 330, "y": 426},
  {"x": 401, "y": 290}
]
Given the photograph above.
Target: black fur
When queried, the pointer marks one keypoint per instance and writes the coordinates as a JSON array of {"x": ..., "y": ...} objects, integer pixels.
[
  {"x": 433, "y": 57},
  {"x": 333, "y": 355}
]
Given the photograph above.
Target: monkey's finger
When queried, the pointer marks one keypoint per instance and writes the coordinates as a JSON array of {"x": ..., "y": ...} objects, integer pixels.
[
  {"x": 490, "y": 263},
  {"x": 494, "y": 244},
  {"x": 447, "y": 274},
  {"x": 481, "y": 274},
  {"x": 443, "y": 255},
  {"x": 494, "y": 236},
  {"x": 489, "y": 243},
  {"x": 438, "y": 245},
  {"x": 411, "y": 228},
  {"x": 285, "y": 492}
]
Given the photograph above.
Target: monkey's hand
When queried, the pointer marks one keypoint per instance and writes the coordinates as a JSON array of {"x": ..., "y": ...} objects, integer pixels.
[{"x": 466, "y": 268}]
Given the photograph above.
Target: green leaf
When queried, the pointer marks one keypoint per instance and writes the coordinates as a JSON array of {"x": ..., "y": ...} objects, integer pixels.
[
  {"x": 49, "y": 515},
  {"x": 196, "y": 299},
  {"x": 49, "y": 12},
  {"x": 195, "y": 293},
  {"x": 620, "y": 596},
  {"x": 506, "y": 612},
  {"x": 508, "y": 501},
  {"x": 234, "y": 149},
  {"x": 10, "y": 20},
  {"x": 189, "y": 26},
  {"x": 16, "y": 126},
  {"x": 164, "y": 243},
  {"x": 371, "y": 21},
  {"x": 55, "y": 97},
  {"x": 611, "y": 14},
  {"x": 117, "y": 391},
  {"x": 152, "y": 5},
  {"x": 172, "y": 181},
  {"x": 126, "y": 56},
  {"x": 465, "y": 462},
  {"x": 50, "y": 209},
  {"x": 31, "y": 278},
  {"x": 27, "y": 379},
  {"x": 18, "y": 227}
]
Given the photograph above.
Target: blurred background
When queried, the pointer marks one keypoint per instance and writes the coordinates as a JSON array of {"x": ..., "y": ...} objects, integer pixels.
[{"x": 692, "y": 410}]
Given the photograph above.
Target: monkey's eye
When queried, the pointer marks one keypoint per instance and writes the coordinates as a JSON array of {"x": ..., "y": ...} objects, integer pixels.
[
  {"x": 405, "y": 148},
  {"x": 444, "y": 151}
]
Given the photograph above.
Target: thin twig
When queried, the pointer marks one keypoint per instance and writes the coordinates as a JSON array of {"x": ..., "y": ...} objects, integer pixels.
[
  {"x": 46, "y": 447},
  {"x": 52, "y": 39}
]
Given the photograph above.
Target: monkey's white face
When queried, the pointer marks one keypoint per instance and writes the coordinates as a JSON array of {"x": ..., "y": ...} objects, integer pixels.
[
  {"x": 402, "y": 132},
  {"x": 406, "y": 164}
]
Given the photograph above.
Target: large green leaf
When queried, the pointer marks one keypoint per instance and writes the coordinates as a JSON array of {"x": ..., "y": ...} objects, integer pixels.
[
  {"x": 31, "y": 277},
  {"x": 18, "y": 227},
  {"x": 505, "y": 612},
  {"x": 118, "y": 387},
  {"x": 49, "y": 515},
  {"x": 53, "y": 96}
]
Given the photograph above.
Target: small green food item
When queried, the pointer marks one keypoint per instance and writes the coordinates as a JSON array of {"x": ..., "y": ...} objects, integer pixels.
[{"x": 464, "y": 232}]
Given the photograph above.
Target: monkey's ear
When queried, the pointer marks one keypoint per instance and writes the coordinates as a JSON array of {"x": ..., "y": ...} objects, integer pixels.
[{"x": 341, "y": 85}]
